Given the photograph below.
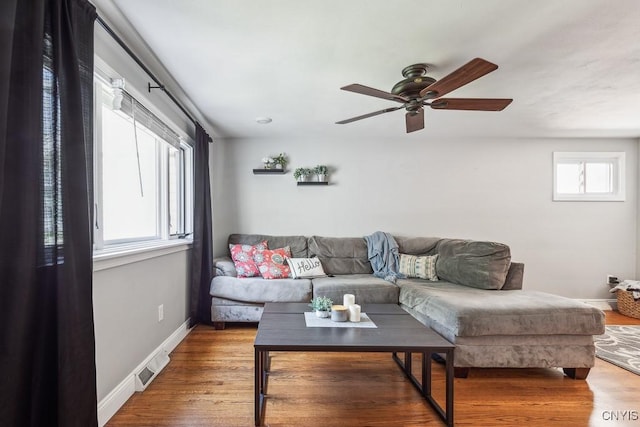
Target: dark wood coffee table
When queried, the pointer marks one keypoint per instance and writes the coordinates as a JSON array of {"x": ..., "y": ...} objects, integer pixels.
[{"x": 283, "y": 328}]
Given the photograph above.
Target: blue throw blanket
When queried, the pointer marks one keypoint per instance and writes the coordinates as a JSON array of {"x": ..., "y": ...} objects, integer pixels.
[{"x": 382, "y": 250}]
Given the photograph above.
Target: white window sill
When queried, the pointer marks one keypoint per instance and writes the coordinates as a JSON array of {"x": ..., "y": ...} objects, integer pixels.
[
  {"x": 559, "y": 197},
  {"x": 126, "y": 254}
]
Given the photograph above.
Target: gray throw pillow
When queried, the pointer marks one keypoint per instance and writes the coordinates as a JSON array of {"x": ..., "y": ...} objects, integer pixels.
[{"x": 482, "y": 265}]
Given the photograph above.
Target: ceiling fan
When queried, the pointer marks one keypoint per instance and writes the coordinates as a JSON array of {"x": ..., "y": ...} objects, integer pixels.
[{"x": 418, "y": 90}]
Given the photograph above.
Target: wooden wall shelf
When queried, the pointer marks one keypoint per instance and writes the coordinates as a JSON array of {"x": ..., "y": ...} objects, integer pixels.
[
  {"x": 313, "y": 183},
  {"x": 264, "y": 171}
]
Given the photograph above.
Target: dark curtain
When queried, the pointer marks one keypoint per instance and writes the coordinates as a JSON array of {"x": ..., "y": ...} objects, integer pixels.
[
  {"x": 47, "y": 345},
  {"x": 202, "y": 252}
]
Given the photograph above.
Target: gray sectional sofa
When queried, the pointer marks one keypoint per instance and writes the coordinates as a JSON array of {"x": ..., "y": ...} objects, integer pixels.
[{"x": 477, "y": 304}]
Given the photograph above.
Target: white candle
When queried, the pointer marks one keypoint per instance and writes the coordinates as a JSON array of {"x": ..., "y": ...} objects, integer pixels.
[
  {"x": 354, "y": 313},
  {"x": 348, "y": 299}
]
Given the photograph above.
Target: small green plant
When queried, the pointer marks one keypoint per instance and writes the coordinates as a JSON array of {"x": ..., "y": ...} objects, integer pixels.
[
  {"x": 281, "y": 159},
  {"x": 321, "y": 303},
  {"x": 321, "y": 170},
  {"x": 300, "y": 172}
]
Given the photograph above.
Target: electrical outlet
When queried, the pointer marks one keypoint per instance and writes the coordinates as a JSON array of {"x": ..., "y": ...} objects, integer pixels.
[
  {"x": 612, "y": 280},
  {"x": 160, "y": 312}
]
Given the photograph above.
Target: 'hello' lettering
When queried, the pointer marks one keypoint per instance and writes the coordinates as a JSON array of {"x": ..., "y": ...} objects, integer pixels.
[{"x": 308, "y": 264}]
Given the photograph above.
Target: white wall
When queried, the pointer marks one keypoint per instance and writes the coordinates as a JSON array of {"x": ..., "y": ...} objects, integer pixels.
[
  {"x": 223, "y": 201},
  {"x": 477, "y": 189},
  {"x": 125, "y": 307}
]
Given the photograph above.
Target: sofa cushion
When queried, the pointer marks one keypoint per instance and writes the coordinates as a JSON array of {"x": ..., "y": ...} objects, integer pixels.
[
  {"x": 417, "y": 245},
  {"x": 224, "y": 266},
  {"x": 422, "y": 267},
  {"x": 477, "y": 264},
  {"x": 298, "y": 244},
  {"x": 465, "y": 312},
  {"x": 365, "y": 287},
  {"x": 258, "y": 290},
  {"x": 305, "y": 268},
  {"x": 341, "y": 255},
  {"x": 515, "y": 276},
  {"x": 272, "y": 263},
  {"x": 242, "y": 256}
]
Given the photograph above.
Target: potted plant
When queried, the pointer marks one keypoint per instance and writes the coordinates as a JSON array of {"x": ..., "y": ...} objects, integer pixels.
[
  {"x": 301, "y": 174},
  {"x": 321, "y": 172},
  {"x": 280, "y": 161},
  {"x": 322, "y": 306}
]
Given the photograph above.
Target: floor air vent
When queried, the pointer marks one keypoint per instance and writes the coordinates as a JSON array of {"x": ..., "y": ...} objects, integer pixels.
[{"x": 151, "y": 370}]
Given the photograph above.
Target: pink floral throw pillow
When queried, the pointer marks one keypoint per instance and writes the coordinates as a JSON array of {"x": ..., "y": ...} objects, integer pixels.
[
  {"x": 272, "y": 264},
  {"x": 242, "y": 256}
]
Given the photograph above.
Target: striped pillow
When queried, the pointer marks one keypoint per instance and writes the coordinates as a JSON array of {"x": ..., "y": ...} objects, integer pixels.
[{"x": 422, "y": 267}]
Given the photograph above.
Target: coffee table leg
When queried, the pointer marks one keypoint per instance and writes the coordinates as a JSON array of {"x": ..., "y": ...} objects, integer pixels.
[
  {"x": 425, "y": 387},
  {"x": 259, "y": 361},
  {"x": 407, "y": 363},
  {"x": 266, "y": 366},
  {"x": 426, "y": 374},
  {"x": 449, "y": 391}
]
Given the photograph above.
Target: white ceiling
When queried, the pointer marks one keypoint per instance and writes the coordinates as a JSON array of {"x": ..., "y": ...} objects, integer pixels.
[{"x": 571, "y": 66}]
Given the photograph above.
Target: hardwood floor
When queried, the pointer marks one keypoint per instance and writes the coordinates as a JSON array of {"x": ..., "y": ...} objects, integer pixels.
[{"x": 209, "y": 382}]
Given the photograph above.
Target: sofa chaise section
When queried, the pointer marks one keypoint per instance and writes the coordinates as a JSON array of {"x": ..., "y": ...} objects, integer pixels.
[{"x": 505, "y": 329}]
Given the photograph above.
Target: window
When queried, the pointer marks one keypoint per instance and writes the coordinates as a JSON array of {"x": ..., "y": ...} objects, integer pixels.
[
  {"x": 52, "y": 223},
  {"x": 142, "y": 174},
  {"x": 588, "y": 176}
]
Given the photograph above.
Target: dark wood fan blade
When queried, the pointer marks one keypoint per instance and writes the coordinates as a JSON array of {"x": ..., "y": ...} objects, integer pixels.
[
  {"x": 469, "y": 72},
  {"x": 480, "y": 104},
  {"x": 364, "y": 116},
  {"x": 366, "y": 90},
  {"x": 415, "y": 120}
]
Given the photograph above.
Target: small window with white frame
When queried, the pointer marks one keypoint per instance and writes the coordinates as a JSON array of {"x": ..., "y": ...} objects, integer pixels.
[
  {"x": 143, "y": 173},
  {"x": 588, "y": 176}
]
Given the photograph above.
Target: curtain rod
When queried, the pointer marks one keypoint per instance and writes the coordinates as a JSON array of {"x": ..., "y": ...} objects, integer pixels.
[{"x": 146, "y": 70}]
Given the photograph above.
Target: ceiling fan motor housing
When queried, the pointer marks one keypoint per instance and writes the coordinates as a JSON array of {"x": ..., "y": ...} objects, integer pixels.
[{"x": 415, "y": 80}]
